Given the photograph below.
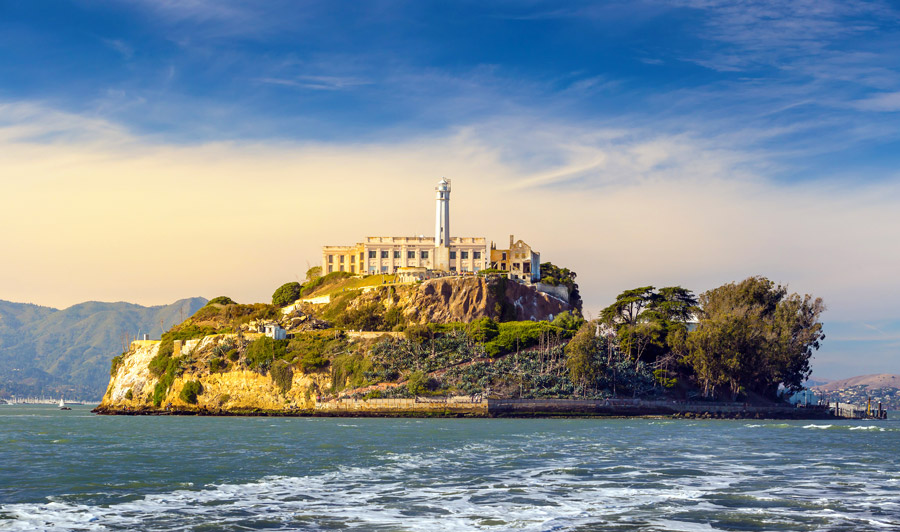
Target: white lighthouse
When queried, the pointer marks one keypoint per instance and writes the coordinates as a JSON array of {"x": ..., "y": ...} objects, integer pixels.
[{"x": 442, "y": 213}]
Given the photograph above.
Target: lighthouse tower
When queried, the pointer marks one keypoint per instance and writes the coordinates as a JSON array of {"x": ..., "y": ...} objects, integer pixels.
[
  {"x": 442, "y": 213},
  {"x": 441, "y": 259}
]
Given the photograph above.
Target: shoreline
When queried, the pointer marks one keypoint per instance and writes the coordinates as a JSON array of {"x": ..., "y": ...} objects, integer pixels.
[{"x": 498, "y": 408}]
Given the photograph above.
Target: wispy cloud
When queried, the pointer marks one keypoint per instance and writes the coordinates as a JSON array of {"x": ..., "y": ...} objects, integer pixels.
[
  {"x": 887, "y": 101},
  {"x": 120, "y": 46},
  {"x": 327, "y": 83}
]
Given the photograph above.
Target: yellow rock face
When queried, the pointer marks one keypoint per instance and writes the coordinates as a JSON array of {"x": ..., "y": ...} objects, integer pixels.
[{"x": 239, "y": 389}]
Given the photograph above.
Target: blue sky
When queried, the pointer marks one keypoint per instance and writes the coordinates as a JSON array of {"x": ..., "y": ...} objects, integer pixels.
[
  {"x": 812, "y": 85},
  {"x": 688, "y": 142}
]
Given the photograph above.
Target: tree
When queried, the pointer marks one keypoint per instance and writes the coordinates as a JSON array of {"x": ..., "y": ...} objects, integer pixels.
[
  {"x": 286, "y": 294},
  {"x": 555, "y": 276},
  {"x": 584, "y": 356},
  {"x": 221, "y": 300},
  {"x": 752, "y": 337},
  {"x": 313, "y": 273},
  {"x": 644, "y": 318}
]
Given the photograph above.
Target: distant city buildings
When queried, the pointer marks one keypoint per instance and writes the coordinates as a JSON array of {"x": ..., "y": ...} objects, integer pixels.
[{"x": 418, "y": 257}]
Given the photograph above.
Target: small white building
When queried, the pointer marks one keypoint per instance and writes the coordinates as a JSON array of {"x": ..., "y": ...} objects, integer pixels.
[{"x": 275, "y": 331}]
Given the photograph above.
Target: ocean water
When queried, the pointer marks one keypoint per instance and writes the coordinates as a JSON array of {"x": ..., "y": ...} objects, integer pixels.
[{"x": 72, "y": 470}]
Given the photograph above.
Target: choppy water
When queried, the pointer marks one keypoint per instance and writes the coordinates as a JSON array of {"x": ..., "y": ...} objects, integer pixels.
[{"x": 76, "y": 471}]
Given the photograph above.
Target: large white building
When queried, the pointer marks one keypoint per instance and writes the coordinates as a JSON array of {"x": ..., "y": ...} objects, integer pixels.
[{"x": 443, "y": 253}]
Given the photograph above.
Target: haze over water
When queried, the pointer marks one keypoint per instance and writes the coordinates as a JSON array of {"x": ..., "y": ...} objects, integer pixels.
[{"x": 77, "y": 471}]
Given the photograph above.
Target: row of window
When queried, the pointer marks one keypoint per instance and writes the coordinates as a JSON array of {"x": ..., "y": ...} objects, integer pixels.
[{"x": 373, "y": 254}]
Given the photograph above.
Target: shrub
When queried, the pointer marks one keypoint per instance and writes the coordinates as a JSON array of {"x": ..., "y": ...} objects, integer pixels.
[
  {"x": 216, "y": 365},
  {"x": 416, "y": 383},
  {"x": 282, "y": 375},
  {"x": 417, "y": 334},
  {"x": 224, "y": 398},
  {"x": 116, "y": 362},
  {"x": 221, "y": 300},
  {"x": 172, "y": 370},
  {"x": 568, "y": 322},
  {"x": 129, "y": 395},
  {"x": 286, "y": 294},
  {"x": 190, "y": 391},
  {"x": 374, "y": 394},
  {"x": 233, "y": 355},
  {"x": 311, "y": 362},
  {"x": 349, "y": 370},
  {"x": 263, "y": 351},
  {"x": 483, "y": 330}
]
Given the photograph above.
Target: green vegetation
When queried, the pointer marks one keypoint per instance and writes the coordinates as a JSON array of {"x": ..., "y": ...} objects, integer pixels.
[
  {"x": 282, "y": 375},
  {"x": 116, "y": 362},
  {"x": 221, "y": 300},
  {"x": 129, "y": 395},
  {"x": 190, "y": 391},
  {"x": 313, "y": 273},
  {"x": 752, "y": 337},
  {"x": 647, "y": 321},
  {"x": 555, "y": 276},
  {"x": 217, "y": 365},
  {"x": 263, "y": 351},
  {"x": 286, "y": 294},
  {"x": 350, "y": 370}
]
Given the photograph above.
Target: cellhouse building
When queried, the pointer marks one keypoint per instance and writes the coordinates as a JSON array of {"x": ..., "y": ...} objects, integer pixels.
[{"x": 422, "y": 257}]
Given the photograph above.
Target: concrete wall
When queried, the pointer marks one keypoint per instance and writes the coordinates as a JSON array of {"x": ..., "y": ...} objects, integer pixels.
[
  {"x": 559, "y": 292},
  {"x": 420, "y": 405}
]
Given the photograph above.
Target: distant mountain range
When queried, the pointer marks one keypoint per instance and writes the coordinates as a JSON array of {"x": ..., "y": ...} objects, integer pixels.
[
  {"x": 879, "y": 380},
  {"x": 49, "y": 351}
]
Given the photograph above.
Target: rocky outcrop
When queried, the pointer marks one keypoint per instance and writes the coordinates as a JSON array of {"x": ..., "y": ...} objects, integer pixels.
[
  {"x": 463, "y": 299},
  {"x": 240, "y": 389}
]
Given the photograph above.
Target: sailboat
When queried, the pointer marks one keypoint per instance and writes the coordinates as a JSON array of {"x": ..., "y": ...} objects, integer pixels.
[{"x": 62, "y": 405}]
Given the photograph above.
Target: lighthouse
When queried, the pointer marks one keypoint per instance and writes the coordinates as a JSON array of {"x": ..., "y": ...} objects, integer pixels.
[{"x": 442, "y": 213}]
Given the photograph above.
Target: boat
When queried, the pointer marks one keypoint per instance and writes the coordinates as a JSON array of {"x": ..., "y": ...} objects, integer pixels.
[{"x": 62, "y": 405}]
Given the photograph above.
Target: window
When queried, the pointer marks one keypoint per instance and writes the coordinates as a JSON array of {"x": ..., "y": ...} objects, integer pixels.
[
  {"x": 342, "y": 267},
  {"x": 384, "y": 268},
  {"x": 464, "y": 255},
  {"x": 527, "y": 267},
  {"x": 452, "y": 268},
  {"x": 516, "y": 266},
  {"x": 385, "y": 254},
  {"x": 353, "y": 259},
  {"x": 410, "y": 254},
  {"x": 396, "y": 254},
  {"x": 373, "y": 254},
  {"x": 504, "y": 256},
  {"x": 424, "y": 254},
  {"x": 372, "y": 269},
  {"x": 330, "y": 259},
  {"x": 452, "y": 255},
  {"x": 330, "y": 268},
  {"x": 341, "y": 257},
  {"x": 361, "y": 257},
  {"x": 476, "y": 254}
]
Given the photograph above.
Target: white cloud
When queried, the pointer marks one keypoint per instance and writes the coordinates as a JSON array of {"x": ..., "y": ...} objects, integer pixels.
[{"x": 151, "y": 222}]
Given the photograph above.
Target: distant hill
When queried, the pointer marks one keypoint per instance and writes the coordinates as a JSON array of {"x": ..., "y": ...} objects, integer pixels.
[
  {"x": 51, "y": 351},
  {"x": 879, "y": 380}
]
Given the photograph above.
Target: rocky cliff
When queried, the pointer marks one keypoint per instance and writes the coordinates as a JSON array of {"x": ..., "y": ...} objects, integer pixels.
[
  {"x": 451, "y": 299},
  {"x": 236, "y": 389}
]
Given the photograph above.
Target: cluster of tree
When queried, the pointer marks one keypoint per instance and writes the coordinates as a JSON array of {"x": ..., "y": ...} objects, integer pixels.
[
  {"x": 736, "y": 340},
  {"x": 753, "y": 336}
]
